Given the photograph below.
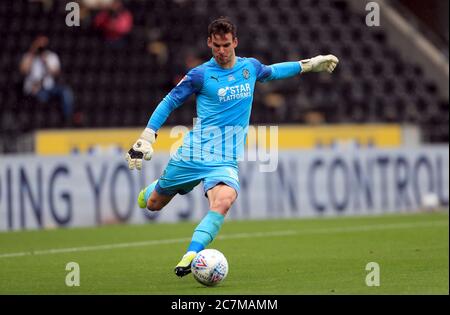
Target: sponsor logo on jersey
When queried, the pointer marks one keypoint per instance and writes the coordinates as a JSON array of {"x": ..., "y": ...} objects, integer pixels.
[{"x": 234, "y": 92}]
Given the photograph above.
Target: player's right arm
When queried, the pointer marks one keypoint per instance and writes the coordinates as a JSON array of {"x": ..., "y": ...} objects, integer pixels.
[{"x": 142, "y": 148}]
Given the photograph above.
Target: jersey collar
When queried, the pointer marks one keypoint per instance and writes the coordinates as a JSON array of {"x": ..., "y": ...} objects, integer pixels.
[{"x": 214, "y": 62}]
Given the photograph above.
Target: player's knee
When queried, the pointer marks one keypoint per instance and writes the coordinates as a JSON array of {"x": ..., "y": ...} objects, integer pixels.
[{"x": 222, "y": 205}]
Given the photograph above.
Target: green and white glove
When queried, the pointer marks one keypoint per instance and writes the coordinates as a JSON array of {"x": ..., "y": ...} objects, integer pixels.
[
  {"x": 319, "y": 63},
  {"x": 141, "y": 149}
]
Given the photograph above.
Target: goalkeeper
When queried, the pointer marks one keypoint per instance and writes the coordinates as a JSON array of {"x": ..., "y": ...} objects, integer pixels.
[{"x": 224, "y": 88}]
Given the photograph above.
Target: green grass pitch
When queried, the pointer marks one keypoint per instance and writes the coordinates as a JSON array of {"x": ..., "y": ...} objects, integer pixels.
[{"x": 301, "y": 256}]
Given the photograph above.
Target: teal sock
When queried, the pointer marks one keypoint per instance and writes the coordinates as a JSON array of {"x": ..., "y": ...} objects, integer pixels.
[
  {"x": 206, "y": 231},
  {"x": 149, "y": 189}
]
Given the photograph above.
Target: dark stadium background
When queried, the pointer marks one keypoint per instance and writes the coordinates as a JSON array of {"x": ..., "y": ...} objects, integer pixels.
[{"x": 377, "y": 81}]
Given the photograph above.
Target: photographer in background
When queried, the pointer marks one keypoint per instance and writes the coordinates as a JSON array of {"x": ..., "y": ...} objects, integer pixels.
[{"x": 41, "y": 68}]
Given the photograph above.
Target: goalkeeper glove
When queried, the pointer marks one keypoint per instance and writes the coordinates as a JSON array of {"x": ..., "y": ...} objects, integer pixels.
[
  {"x": 141, "y": 149},
  {"x": 319, "y": 63}
]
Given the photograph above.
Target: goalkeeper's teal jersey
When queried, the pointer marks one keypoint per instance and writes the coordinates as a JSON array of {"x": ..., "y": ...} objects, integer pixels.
[{"x": 224, "y": 103}]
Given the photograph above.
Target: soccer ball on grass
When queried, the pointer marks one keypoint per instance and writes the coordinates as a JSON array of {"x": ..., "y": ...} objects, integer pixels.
[{"x": 209, "y": 267}]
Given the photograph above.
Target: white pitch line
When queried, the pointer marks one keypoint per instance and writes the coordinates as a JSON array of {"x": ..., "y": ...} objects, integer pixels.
[
  {"x": 137, "y": 244},
  {"x": 363, "y": 228}
]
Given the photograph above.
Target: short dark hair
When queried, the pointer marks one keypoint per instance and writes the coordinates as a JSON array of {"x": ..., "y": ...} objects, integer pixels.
[{"x": 222, "y": 26}]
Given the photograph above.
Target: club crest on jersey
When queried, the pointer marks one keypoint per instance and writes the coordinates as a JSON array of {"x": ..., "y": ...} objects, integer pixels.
[{"x": 246, "y": 73}]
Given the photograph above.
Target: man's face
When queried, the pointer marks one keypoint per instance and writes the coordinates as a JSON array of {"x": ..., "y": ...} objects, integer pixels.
[{"x": 223, "y": 48}]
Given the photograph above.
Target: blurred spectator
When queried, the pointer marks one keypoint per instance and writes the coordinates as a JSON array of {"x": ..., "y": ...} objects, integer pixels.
[
  {"x": 114, "y": 22},
  {"x": 88, "y": 9},
  {"x": 159, "y": 50},
  {"x": 41, "y": 68},
  {"x": 276, "y": 105},
  {"x": 190, "y": 61},
  {"x": 47, "y": 5},
  {"x": 97, "y": 4},
  {"x": 314, "y": 118}
]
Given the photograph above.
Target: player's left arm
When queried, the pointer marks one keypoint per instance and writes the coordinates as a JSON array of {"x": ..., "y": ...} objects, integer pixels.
[{"x": 289, "y": 69}]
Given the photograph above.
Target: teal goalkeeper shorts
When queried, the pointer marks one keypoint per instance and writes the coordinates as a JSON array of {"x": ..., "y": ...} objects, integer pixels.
[{"x": 181, "y": 176}]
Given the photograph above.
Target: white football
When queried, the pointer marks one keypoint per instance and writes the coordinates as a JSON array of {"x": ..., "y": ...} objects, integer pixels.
[{"x": 209, "y": 267}]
